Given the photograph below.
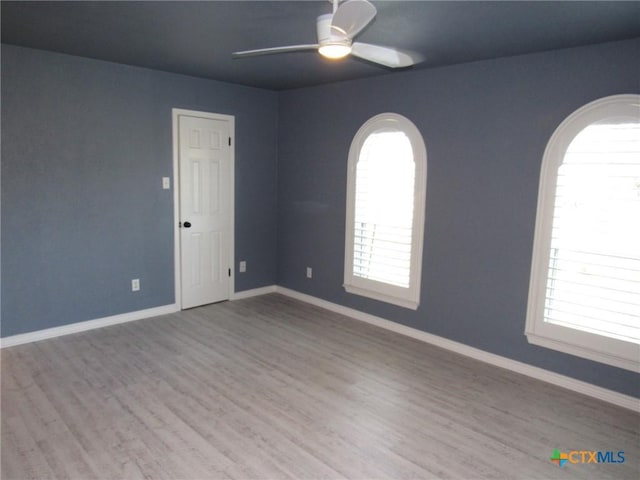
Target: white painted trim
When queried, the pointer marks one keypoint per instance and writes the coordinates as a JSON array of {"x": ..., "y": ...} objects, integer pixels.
[
  {"x": 408, "y": 297},
  {"x": 254, "y": 292},
  {"x": 563, "y": 381},
  {"x": 176, "y": 208},
  {"x": 47, "y": 333},
  {"x": 175, "y": 114}
]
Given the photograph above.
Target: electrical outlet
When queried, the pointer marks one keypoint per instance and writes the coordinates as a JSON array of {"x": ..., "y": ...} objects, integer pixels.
[
  {"x": 243, "y": 266},
  {"x": 166, "y": 183},
  {"x": 135, "y": 284},
  {"x": 309, "y": 272}
]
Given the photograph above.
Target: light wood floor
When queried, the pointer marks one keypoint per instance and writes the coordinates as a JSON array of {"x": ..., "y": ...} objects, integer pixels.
[{"x": 269, "y": 387}]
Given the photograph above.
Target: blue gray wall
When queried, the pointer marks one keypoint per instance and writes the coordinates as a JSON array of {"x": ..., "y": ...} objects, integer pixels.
[
  {"x": 85, "y": 143},
  {"x": 485, "y": 125},
  {"x": 84, "y": 146}
]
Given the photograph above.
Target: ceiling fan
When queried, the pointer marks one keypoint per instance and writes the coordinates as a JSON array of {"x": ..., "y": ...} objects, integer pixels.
[{"x": 336, "y": 32}]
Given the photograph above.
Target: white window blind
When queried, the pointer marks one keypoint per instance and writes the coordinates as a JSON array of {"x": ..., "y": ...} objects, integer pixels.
[
  {"x": 593, "y": 281},
  {"x": 384, "y": 209}
]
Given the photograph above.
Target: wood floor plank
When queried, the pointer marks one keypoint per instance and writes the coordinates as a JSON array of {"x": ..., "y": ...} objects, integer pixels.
[{"x": 270, "y": 387}]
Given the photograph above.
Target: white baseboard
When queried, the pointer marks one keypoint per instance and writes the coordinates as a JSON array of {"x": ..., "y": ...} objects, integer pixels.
[
  {"x": 254, "y": 292},
  {"x": 47, "y": 333},
  {"x": 29, "y": 337},
  {"x": 569, "y": 383}
]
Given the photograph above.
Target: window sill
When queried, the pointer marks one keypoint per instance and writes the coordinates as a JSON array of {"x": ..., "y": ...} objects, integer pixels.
[
  {"x": 364, "y": 292},
  {"x": 627, "y": 357}
]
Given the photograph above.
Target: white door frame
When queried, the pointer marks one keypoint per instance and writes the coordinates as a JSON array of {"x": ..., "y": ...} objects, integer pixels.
[{"x": 177, "y": 265}]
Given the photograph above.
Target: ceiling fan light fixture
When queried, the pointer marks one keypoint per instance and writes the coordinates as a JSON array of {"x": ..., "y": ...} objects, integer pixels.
[
  {"x": 334, "y": 50},
  {"x": 336, "y": 33}
]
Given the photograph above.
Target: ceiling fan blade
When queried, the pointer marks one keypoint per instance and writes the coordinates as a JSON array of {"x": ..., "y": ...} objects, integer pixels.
[
  {"x": 387, "y": 56},
  {"x": 352, "y": 16},
  {"x": 268, "y": 51}
]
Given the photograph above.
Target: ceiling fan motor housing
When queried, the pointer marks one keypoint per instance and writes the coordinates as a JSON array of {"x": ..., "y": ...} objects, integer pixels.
[{"x": 328, "y": 35}]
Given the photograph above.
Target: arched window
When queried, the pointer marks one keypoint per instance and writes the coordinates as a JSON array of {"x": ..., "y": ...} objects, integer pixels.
[
  {"x": 584, "y": 295},
  {"x": 386, "y": 186}
]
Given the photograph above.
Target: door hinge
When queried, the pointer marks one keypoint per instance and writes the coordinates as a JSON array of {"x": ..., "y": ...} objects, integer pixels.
[{"x": 229, "y": 141}]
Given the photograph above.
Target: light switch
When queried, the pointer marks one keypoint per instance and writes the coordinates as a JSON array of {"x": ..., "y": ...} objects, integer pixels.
[{"x": 166, "y": 183}]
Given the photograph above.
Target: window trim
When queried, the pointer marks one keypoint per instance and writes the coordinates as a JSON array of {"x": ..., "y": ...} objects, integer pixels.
[
  {"x": 404, "y": 297},
  {"x": 557, "y": 337}
]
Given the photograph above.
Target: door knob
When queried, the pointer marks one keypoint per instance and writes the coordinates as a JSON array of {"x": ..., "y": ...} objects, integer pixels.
[{"x": 186, "y": 224}]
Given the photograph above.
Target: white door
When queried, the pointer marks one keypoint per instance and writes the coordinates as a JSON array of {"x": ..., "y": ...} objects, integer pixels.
[{"x": 205, "y": 160}]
